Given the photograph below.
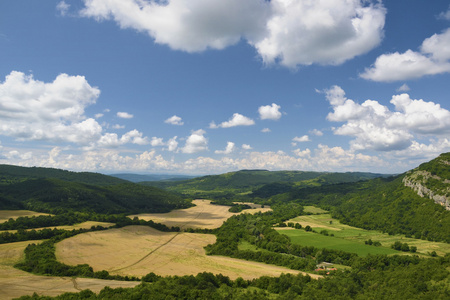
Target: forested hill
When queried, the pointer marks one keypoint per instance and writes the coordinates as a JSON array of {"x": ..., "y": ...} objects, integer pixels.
[
  {"x": 13, "y": 174},
  {"x": 58, "y": 191},
  {"x": 432, "y": 180},
  {"x": 246, "y": 181},
  {"x": 385, "y": 204}
]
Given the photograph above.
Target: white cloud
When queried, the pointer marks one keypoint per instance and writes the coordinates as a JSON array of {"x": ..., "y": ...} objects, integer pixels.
[
  {"x": 62, "y": 7},
  {"x": 304, "y": 153},
  {"x": 246, "y": 147},
  {"x": 34, "y": 110},
  {"x": 156, "y": 142},
  {"x": 98, "y": 116},
  {"x": 265, "y": 130},
  {"x": 375, "y": 127},
  {"x": 291, "y": 33},
  {"x": 324, "y": 32},
  {"x": 433, "y": 58},
  {"x": 124, "y": 115},
  {"x": 235, "y": 120},
  {"x": 174, "y": 120},
  {"x": 229, "y": 148},
  {"x": 304, "y": 138},
  {"x": 445, "y": 15},
  {"x": 316, "y": 132},
  {"x": 196, "y": 142},
  {"x": 117, "y": 126},
  {"x": 269, "y": 112},
  {"x": 133, "y": 136},
  {"x": 403, "y": 88},
  {"x": 172, "y": 144}
]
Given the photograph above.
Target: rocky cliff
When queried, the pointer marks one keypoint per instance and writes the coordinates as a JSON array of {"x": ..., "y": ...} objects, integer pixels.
[{"x": 431, "y": 180}]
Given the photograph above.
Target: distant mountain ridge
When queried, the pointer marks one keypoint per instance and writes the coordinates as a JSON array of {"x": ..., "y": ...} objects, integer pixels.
[
  {"x": 150, "y": 177},
  {"x": 12, "y": 174}
]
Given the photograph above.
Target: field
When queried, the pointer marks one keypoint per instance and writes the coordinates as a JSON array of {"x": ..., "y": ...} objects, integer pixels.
[
  {"x": 202, "y": 215},
  {"x": 15, "y": 283},
  {"x": 139, "y": 250},
  {"x": 5, "y": 215},
  {"x": 84, "y": 225},
  {"x": 356, "y": 236}
]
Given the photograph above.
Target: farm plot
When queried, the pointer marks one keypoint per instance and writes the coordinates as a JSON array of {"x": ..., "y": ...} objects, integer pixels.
[
  {"x": 139, "y": 250},
  {"x": 15, "y": 283},
  {"x": 202, "y": 215},
  {"x": 5, "y": 215},
  {"x": 357, "y": 235}
]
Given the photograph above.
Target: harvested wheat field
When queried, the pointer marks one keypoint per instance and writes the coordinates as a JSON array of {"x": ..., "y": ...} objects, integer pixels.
[
  {"x": 202, "y": 215},
  {"x": 139, "y": 250},
  {"x": 5, "y": 215},
  {"x": 15, "y": 283}
]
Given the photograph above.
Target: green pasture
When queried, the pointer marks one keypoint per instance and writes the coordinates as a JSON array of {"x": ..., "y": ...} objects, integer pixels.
[
  {"x": 348, "y": 233},
  {"x": 314, "y": 210},
  {"x": 304, "y": 238}
]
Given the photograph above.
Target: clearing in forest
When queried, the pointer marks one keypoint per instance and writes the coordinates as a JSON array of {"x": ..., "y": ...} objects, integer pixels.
[
  {"x": 202, "y": 215},
  {"x": 5, "y": 215},
  {"x": 139, "y": 250},
  {"x": 355, "y": 235}
]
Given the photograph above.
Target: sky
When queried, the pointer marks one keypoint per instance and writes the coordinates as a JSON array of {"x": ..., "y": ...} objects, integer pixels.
[{"x": 212, "y": 86}]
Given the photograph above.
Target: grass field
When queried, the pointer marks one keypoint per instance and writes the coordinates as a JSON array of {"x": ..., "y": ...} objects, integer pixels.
[
  {"x": 5, "y": 215},
  {"x": 202, "y": 215},
  {"x": 139, "y": 250},
  {"x": 359, "y": 236},
  {"x": 304, "y": 238},
  {"x": 314, "y": 210}
]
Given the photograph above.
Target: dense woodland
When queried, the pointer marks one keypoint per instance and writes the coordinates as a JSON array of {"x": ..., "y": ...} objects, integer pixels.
[{"x": 362, "y": 200}]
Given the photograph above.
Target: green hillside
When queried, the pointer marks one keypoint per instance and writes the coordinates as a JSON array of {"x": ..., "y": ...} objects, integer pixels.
[
  {"x": 386, "y": 204},
  {"x": 246, "y": 181},
  {"x": 59, "y": 191},
  {"x": 13, "y": 174}
]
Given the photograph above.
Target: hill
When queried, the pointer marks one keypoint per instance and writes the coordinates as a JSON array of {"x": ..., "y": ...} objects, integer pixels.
[
  {"x": 394, "y": 205},
  {"x": 58, "y": 191},
  {"x": 13, "y": 174},
  {"x": 246, "y": 181},
  {"x": 150, "y": 177}
]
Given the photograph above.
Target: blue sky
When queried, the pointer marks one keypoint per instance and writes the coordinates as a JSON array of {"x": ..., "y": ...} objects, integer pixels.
[{"x": 211, "y": 86}]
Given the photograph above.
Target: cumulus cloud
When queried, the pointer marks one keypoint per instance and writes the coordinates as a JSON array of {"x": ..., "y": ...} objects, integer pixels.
[
  {"x": 376, "y": 127},
  {"x": 433, "y": 58},
  {"x": 290, "y": 33},
  {"x": 34, "y": 110},
  {"x": 301, "y": 139},
  {"x": 265, "y": 130},
  {"x": 172, "y": 144},
  {"x": 113, "y": 140},
  {"x": 124, "y": 115},
  {"x": 229, "y": 148},
  {"x": 196, "y": 142},
  {"x": 156, "y": 142},
  {"x": 246, "y": 147},
  {"x": 235, "y": 120},
  {"x": 269, "y": 112},
  {"x": 174, "y": 120}
]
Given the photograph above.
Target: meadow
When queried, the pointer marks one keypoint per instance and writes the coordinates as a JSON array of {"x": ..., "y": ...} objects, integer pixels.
[{"x": 346, "y": 237}]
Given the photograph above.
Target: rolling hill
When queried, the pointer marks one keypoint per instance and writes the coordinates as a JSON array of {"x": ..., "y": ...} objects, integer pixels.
[{"x": 59, "y": 191}]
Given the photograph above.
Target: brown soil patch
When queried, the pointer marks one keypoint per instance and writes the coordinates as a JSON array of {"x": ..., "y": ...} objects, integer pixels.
[
  {"x": 202, "y": 215},
  {"x": 5, "y": 215},
  {"x": 139, "y": 250},
  {"x": 16, "y": 283}
]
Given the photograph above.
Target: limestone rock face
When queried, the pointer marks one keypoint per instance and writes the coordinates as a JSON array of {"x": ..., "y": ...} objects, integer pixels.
[{"x": 424, "y": 184}]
